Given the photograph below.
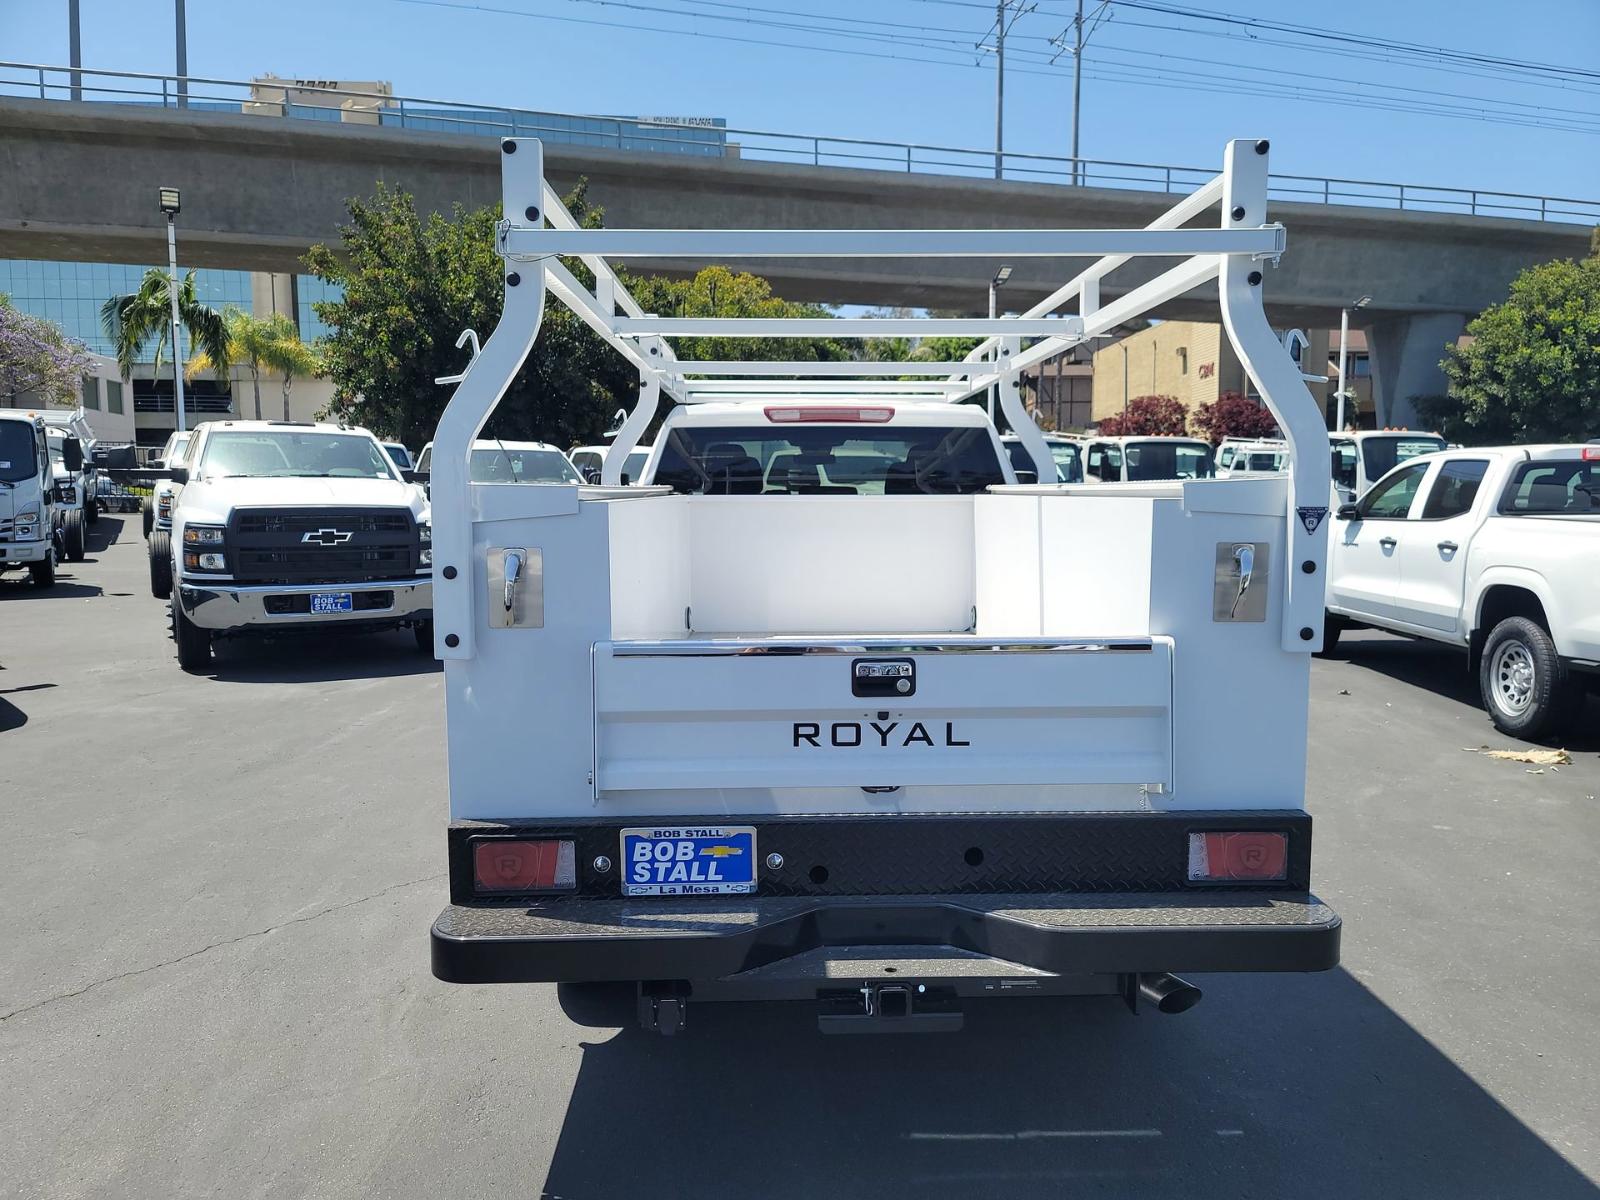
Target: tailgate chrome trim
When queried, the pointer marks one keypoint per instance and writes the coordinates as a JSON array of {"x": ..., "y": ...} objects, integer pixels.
[{"x": 735, "y": 647}]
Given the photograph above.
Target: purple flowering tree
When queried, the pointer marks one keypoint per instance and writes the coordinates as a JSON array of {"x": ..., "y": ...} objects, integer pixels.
[{"x": 38, "y": 358}]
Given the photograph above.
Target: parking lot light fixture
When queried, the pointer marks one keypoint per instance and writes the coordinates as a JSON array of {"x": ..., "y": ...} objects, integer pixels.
[{"x": 170, "y": 205}]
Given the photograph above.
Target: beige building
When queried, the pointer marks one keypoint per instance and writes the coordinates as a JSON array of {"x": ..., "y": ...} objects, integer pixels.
[
  {"x": 1190, "y": 360},
  {"x": 105, "y": 397},
  {"x": 1194, "y": 362}
]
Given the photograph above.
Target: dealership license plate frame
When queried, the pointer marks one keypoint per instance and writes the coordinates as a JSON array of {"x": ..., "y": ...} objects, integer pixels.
[
  {"x": 324, "y": 603},
  {"x": 701, "y": 840}
]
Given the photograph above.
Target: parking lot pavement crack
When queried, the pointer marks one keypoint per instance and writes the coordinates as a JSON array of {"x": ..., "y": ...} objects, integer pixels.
[{"x": 233, "y": 941}]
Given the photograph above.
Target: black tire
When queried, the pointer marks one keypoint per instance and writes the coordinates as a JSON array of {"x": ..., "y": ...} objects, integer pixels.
[
  {"x": 1332, "y": 627},
  {"x": 1526, "y": 688},
  {"x": 599, "y": 1005},
  {"x": 72, "y": 534},
  {"x": 424, "y": 635},
  {"x": 161, "y": 564},
  {"x": 194, "y": 643},
  {"x": 43, "y": 573},
  {"x": 146, "y": 517}
]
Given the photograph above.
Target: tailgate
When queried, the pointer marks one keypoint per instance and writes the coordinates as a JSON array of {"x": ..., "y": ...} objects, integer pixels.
[{"x": 770, "y": 713}]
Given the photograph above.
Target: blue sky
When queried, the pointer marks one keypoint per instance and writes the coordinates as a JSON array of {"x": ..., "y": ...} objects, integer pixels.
[{"x": 610, "y": 56}]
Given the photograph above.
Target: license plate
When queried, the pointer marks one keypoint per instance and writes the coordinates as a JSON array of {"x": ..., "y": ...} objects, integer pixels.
[
  {"x": 689, "y": 860},
  {"x": 332, "y": 602}
]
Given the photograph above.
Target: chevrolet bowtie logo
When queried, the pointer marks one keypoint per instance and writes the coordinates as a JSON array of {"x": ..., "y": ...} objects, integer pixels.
[
  {"x": 327, "y": 537},
  {"x": 722, "y": 851}
]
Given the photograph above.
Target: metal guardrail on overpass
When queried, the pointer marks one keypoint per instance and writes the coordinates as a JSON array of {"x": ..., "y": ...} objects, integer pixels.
[{"x": 48, "y": 82}]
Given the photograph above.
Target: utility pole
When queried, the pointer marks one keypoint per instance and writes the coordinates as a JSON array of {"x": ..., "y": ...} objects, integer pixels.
[
  {"x": 1000, "y": 86},
  {"x": 1344, "y": 334},
  {"x": 75, "y": 47},
  {"x": 1077, "y": 89},
  {"x": 183, "y": 57}
]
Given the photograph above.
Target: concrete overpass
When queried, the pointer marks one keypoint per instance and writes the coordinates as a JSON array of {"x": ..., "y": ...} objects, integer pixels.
[{"x": 79, "y": 182}]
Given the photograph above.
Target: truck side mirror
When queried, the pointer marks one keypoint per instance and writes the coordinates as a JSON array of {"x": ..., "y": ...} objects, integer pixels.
[
  {"x": 72, "y": 454},
  {"x": 415, "y": 476},
  {"x": 178, "y": 474},
  {"x": 1348, "y": 512},
  {"x": 1025, "y": 476}
]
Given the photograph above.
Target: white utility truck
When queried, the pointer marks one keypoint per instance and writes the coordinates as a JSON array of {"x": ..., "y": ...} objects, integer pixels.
[
  {"x": 71, "y": 488},
  {"x": 1490, "y": 549},
  {"x": 1251, "y": 456},
  {"x": 285, "y": 527},
  {"x": 1068, "y": 453},
  {"x": 1359, "y": 460},
  {"x": 32, "y": 508},
  {"x": 881, "y": 749},
  {"x": 1146, "y": 459}
]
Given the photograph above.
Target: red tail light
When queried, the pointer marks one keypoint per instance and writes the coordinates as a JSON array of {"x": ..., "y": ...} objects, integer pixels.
[
  {"x": 790, "y": 415},
  {"x": 1591, "y": 453},
  {"x": 1217, "y": 857},
  {"x": 503, "y": 865}
]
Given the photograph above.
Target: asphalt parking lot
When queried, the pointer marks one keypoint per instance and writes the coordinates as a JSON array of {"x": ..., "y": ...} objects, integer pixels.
[{"x": 217, "y": 892}]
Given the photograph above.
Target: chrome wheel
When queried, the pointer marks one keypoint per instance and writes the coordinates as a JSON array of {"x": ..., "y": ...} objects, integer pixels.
[{"x": 1512, "y": 674}]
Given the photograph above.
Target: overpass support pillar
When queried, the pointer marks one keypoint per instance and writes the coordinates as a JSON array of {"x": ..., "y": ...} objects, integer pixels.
[{"x": 1405, "y": 353}]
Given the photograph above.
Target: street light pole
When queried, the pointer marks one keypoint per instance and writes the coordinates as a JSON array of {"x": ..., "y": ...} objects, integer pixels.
[
  {"x": 170, "y": 206},
  {"x": 1344, "y": 337},
  {"x": 995, "y": 284}
]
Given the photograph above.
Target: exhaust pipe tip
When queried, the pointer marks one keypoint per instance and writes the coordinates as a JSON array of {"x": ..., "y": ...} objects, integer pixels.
[{"x": 1168, "y": 993}]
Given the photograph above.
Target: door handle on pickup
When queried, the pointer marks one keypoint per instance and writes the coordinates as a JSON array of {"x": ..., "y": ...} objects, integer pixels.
[
  {"x": 1449, "y": 547},
  {"x": 1388, "y": 543}
]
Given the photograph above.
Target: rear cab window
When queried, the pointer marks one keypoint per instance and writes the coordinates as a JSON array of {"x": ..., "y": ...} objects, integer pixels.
[
  {"x": 828, "y": 460},
  {"x": 1550, "y": 486},
  {"x": 1382, "y": 454},
  {"x": 1148, "y": 461}
]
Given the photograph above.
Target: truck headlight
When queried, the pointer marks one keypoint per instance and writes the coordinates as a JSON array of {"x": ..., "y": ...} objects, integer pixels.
[
  {"x": 425, "y": 537},
  {"x": 164, "y": 505},
  {"x": 202, "y": 535},
  {"x": 29, "y": 515},
  {"x": 204, "y": 562}
]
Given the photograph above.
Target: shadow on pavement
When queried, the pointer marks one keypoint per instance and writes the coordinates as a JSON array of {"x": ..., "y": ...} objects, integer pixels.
[
  {"x": 11, "y": 717},
  {"x": 107, "y": 531},
  {"x": 1442, "y": 670},
  {"x": 1303, "y": 1086},
  {"x": 319, "y": 658},
  {"x": 20, "y": 587}
]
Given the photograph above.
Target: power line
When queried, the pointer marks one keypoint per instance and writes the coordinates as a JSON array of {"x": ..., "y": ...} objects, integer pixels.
[{"x": 1115, "y": 72}]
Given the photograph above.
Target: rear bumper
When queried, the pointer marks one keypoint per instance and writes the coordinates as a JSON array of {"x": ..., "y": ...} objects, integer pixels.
[
  {"x": 225, "y": 607},
  {"x": 589, "y": 939},
  {"x": 1065, "y": 894}
]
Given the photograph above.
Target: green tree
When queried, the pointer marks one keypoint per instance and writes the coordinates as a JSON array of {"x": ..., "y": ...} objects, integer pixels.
[
  {"x": 411, "y": 284},
  {"x": 270, "y": 343},
  {"x": 719, "y": 292},
  {"x": 1531, "y": 371},
  {"x": 132, "y": 321}
]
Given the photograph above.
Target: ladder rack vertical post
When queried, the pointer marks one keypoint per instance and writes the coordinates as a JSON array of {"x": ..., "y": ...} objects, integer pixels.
[{"x": 486, "y": 380}]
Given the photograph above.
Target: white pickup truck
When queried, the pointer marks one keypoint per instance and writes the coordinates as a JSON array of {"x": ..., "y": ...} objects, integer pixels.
[
  {"x": 1490, "y": 549},
  {"x": 282, "y": 527},
  {"x": 829, "y": 709}
]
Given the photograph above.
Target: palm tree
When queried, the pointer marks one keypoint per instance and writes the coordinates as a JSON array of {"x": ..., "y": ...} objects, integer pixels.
[
  {"x": 131, "y": 321},
  {"x": 270, "y": 343}
]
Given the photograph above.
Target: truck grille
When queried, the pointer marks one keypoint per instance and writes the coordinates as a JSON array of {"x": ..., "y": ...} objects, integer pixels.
[{"x": 321, "y": 545}]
